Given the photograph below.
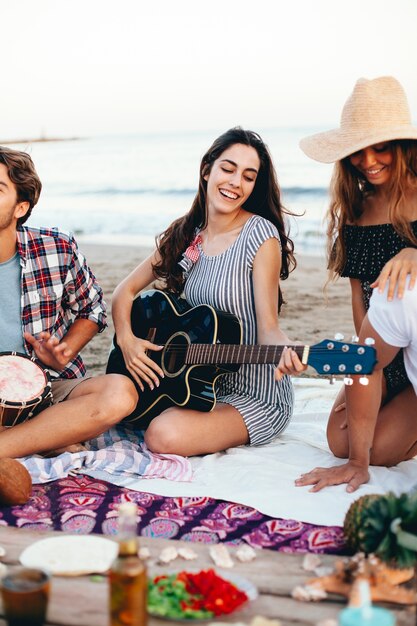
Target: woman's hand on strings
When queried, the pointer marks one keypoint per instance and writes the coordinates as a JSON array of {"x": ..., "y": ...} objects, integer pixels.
[
  {"x": 142, "y": 368},
  {"x": 289, "y": 364}
]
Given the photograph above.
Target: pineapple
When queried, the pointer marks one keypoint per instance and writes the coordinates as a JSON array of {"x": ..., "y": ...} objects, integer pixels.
[{"x": 385, "y": 525}]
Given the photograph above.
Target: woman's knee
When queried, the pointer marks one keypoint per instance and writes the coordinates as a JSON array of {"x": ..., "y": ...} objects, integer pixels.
[
  {"x": 119, "y": 397},
  {"x": 339, "y": 449},
  {"x": 161, "y": 436},
  {"x": 337, "y": 437},
  {"x": 338, "y": 442}
]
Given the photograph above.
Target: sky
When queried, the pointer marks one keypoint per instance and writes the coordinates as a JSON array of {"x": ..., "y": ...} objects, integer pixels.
[{"x": 100, "y": 67}]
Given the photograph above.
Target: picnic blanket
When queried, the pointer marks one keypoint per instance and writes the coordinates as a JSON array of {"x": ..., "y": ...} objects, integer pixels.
[
  {"x": 82, "y": 505},
  {"x": 119, "y": 451},
  {"x": 259, "y": 477}
]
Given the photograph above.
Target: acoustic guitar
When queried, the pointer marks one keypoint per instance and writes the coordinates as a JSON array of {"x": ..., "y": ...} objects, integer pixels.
[{"x": 202, "y": 343}]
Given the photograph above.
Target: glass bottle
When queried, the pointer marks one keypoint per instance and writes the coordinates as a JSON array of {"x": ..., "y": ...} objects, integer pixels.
[{"x": 128, "y": 579}]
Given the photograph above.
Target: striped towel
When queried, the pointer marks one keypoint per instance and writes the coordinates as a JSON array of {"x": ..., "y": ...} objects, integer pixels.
[{"x": 117, "y": 452}]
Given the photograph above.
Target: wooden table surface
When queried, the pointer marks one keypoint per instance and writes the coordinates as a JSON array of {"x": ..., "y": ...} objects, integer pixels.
[{"x": 81, "y": 601}]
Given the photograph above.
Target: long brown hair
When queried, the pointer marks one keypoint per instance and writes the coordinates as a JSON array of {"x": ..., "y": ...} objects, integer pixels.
[
  {"x": 265, "y": 200},
  {"x": 349, "y": 189},
  {"x": 22, "y": 173}
]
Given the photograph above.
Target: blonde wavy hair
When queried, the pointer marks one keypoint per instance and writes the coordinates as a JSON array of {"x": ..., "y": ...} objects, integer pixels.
[{"x": 348, "y": 191}]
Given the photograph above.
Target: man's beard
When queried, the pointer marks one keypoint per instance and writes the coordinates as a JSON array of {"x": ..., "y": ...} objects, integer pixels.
[{"x": 7, "y": 220}]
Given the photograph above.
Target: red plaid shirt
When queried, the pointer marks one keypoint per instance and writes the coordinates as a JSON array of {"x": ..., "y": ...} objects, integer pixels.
[{"x": 57, "y": 287}]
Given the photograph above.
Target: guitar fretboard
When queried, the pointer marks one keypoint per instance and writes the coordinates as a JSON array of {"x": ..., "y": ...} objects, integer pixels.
[{"x": 223, "y": 353}]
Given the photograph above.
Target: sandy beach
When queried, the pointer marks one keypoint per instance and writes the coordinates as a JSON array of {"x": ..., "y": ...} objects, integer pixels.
[{"x": 308, "y": 316}]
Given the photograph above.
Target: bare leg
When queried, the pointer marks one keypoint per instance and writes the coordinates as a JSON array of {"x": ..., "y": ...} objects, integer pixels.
[
  {"x": 188, "y": 433},
  {"x": 337, "y": 434},
  {"x": 395, "y": 437},
  {"x": 396, "y": 430},
  {"x": 91, "y": 408}
]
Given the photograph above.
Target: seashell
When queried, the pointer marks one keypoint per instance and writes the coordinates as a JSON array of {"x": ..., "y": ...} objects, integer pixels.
[
  {"x": 308, "y": 593},
  {"x": 311, "y": 562},
  {"x": 245, "y": 554},
  {"x": 144, "y": 553},
  {"x": 258, "y": 620},
  {"x": 187, "y": 553},
  {"x": 3, "y": 570},
  {"x": 168, "y": 554},
  {"x": 220, "y": 555},
  {"x": 2, "y": 552},
  {"x": 324, "y": 570}
]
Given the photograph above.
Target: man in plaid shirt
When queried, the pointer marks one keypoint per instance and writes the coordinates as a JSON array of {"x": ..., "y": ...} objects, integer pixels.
[{"x": 50, "y": 307}]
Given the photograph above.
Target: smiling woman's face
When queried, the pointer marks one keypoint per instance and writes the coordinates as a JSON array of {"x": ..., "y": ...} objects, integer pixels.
[
  {"x": 232, "y": 178},
  {"x": 374, "y": 162}
]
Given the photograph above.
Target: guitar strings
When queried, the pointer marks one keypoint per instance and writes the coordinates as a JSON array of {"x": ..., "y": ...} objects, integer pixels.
[
  {"x": 181, "y": 347},
  {"x": 259, "y": 352}
]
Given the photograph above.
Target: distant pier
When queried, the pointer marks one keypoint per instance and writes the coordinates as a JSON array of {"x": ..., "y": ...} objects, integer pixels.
[{"x": 37, "y": 140}]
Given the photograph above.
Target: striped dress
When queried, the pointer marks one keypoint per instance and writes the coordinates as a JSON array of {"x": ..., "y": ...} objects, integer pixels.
[{"x": 224, "y": 281}]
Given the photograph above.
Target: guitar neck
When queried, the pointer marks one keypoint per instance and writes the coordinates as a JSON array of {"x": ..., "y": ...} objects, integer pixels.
[{"x": 223, "y": 354}]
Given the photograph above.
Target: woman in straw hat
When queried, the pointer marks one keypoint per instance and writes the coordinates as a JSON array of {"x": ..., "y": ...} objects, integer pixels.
[{"x": 372, "y": 239}]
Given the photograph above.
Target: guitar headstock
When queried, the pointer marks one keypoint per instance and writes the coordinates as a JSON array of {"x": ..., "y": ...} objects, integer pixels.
[{"x": 330, "y": 357}]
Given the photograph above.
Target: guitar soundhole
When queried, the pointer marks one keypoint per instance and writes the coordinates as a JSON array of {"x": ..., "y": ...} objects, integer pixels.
[{"x": 174, "y": 353}]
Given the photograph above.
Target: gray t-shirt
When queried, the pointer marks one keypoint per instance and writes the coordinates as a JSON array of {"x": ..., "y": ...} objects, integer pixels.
[{"x": 11, "y": 334}]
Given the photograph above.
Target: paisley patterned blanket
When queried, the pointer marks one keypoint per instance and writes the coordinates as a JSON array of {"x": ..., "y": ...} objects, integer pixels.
[{"x": 81, "y": 504}]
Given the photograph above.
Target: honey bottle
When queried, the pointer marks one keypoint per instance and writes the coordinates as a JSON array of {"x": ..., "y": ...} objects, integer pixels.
[{"x": 128, "y": 579}]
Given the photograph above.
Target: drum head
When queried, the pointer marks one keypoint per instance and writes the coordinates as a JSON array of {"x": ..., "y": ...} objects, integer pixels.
[{"x": 21, "y": 379}]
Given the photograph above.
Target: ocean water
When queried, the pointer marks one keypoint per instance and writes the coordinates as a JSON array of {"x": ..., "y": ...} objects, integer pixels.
[{"x": 127, "y": 189}]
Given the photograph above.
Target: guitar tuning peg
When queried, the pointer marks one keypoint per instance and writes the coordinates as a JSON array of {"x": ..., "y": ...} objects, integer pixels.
[
  {"x": 364, "y": 381},
  {"x": 339, "y": 337},
  {"x": 355, "y": 339},
  {"x": 332, "y": 380},
  {"x": 348, "y": 381},
  {"x": 369, "y": 341}
]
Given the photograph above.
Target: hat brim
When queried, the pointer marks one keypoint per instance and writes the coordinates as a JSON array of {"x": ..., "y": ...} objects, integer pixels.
[{"x": 334, "y": 145}]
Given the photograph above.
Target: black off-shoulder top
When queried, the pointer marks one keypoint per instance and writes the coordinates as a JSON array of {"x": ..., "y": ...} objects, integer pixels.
[{"x": 368, "y": 248}]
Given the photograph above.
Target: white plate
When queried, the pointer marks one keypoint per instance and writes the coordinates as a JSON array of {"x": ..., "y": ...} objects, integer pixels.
[{"x": 71, "y": 555}]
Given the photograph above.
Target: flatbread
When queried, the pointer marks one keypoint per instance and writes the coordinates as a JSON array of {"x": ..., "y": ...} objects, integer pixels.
[{"x": 71, "y": 555}]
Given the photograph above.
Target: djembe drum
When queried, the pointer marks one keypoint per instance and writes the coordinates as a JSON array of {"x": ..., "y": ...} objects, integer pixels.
[{"x": 25, "y": 388}]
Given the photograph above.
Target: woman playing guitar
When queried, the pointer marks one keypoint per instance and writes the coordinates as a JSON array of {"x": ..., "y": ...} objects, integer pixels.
[{"x": 229, "y": 251}]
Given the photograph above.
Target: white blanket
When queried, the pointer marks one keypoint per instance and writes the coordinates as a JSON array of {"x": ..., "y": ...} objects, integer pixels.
[{"x": 263, "y": 477}]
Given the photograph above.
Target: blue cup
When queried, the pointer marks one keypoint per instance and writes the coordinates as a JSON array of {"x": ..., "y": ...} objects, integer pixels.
[{"x": 366, "y": 616}]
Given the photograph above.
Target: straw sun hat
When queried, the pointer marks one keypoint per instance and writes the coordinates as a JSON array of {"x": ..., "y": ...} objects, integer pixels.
[{"x": 376, "y": 111}]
